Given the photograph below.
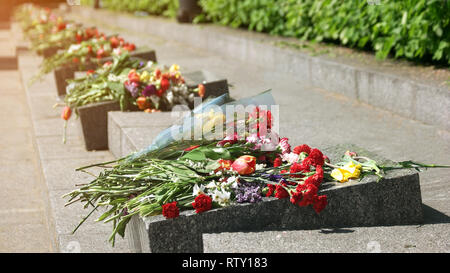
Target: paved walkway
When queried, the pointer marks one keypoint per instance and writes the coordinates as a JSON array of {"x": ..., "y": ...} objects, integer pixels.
[{"x": 23, "y": 217}]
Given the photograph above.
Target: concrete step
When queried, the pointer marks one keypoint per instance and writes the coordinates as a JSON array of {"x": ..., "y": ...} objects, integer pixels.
[{"x": 58, "y": 162}]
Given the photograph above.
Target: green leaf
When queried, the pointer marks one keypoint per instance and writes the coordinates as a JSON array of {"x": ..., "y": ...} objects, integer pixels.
[{"x": 196, "y": 155}]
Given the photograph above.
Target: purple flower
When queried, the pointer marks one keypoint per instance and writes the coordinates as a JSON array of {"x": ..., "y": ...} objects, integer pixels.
[
  {"x": 133, "y": 88},
  {"x": 149, "y": 90},
  {"x": 141, "y": 64},
  {"x": 273, "y": 177},
  {"x": 248, "y": 192}
]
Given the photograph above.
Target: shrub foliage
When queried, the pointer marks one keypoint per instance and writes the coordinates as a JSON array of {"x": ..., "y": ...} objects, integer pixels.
[{"x": 414, "y": 29}]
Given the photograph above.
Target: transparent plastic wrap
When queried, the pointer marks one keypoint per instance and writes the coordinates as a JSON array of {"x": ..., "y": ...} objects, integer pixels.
[{"x": 201, "y": 119}]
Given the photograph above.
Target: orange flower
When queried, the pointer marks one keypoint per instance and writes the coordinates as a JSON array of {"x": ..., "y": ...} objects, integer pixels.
[
  {"x": 224, "y": 164},
  {"x": 201, "y": 90},
  {"x": 133, "y": 76},
  {"x": 142, "y": 103},
  {"x": 66, "y": 113}
]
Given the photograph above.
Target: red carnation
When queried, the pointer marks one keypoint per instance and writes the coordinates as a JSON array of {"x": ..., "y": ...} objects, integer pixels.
[
  {"x": 308, "y": 195},
  {"x": 297, "y": 167},
  {"x": 280, "y": 192},
  {"x": 295, "y": 197},
  {"x": 314, "y": 180},
  {"x": 202, "y": 203},
  {"x": 317, "y": 178},
  {"x": 319, "y": 203},
  {"x": 170, "y": 210},
  {"x": 300, "y": 187},
  {"x": 302, "y": 149},
  {"x": 271, "y": 190},
  {"x": 319, "y": 171},
  {"x": 314, "y": 158},
  {"x": 277, "y": 162}
]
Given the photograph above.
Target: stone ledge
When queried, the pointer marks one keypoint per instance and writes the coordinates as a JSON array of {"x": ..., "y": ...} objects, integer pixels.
[
  {"x": 396, "y": 200},
  {"x": 408, "y": 97},
  {"x": 132, "y": 131}
]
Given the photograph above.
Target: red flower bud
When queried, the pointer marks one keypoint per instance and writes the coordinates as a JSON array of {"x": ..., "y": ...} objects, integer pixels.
[
  {"x": 165, "y": 84},
  {"x": 277, "y": 162},
  {"x": 245, "y": 164},
  {"x": 201, "y": 90},
  {"x": 157, "y": 73},
  {"x": 61, "y": 26},
  {"x": 191, "y": 148},
  {"x": 114, "y": 42},
  {"x": 66, "y": 113},
  {"x": 133, "y": 76}
]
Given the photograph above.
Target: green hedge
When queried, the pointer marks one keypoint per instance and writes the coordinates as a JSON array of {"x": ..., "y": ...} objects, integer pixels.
[
  {"x": 414, "y": 29},
  {"x": 166, "y": 8}
]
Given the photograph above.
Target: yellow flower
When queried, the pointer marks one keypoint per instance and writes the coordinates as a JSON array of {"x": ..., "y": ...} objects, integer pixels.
[
  {"x": 211, "y": 120},
  {"x": 348, "y": 171},
  {"x": 174, "y": 68},
  {"x": 145, "y": 76}
]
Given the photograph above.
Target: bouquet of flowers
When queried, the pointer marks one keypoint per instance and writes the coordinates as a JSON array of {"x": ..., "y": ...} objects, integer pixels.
[
  {"x": 133, "y": 83},
  {"x": 86, "y": 52},
  {"x": 63, "y": 36},
  {"x": 34, "y": 19},
  {"x": 242, "y": 166}
]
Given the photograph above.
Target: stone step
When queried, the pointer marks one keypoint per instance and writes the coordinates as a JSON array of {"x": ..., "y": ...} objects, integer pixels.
[{"x": 58, "y": 162}]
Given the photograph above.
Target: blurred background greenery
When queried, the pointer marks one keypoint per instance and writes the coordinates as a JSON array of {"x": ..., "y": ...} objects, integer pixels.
[{"x": 417, "y": 30}]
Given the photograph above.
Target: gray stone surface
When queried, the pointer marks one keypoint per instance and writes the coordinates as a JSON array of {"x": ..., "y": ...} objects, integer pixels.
[
  {"x": 393, "y": 239},
  {"x": 129, "y": 132}
]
